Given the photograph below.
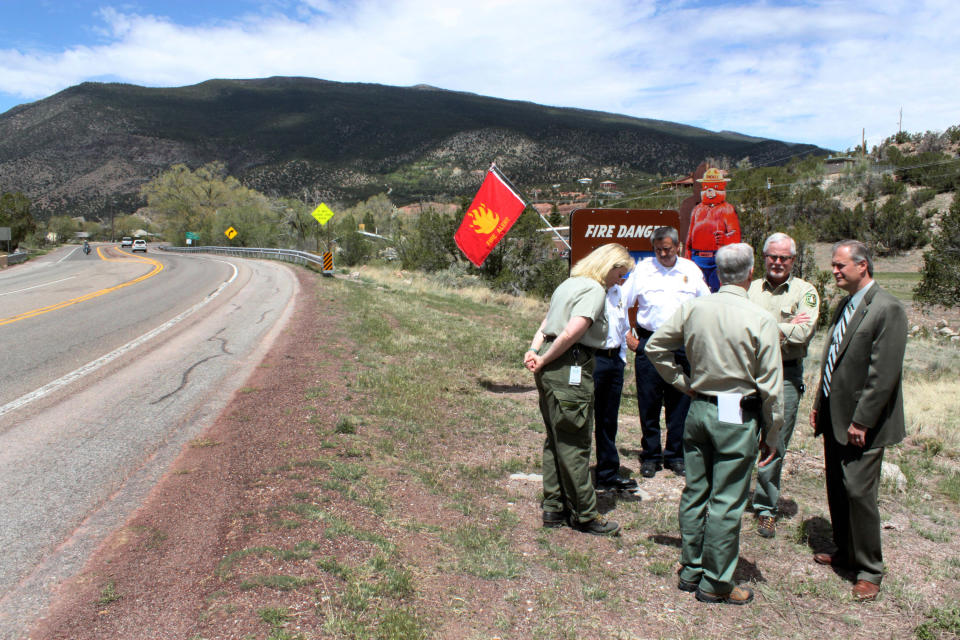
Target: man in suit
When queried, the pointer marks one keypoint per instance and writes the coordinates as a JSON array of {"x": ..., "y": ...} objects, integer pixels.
[{"x": 859, "y": 410}]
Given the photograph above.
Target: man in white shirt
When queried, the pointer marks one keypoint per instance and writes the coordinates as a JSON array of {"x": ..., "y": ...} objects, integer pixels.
[
  {"x": 659, "y": 285},
  {"x": 609, "y": 364}
]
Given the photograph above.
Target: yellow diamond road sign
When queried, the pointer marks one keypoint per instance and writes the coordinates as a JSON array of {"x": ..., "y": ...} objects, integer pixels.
[
  {"x": 230, "y": 233},
  {"x": 322, "y": 213}
]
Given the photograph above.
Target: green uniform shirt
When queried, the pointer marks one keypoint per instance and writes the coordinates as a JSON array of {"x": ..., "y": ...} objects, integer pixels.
[
  {"x": 733, "y": 347},
  {"x": 785, "y": 301},
  {"x": 582, "y": 297}
]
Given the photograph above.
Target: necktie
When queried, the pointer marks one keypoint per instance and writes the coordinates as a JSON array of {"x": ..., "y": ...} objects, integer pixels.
[{"x": 835, "y": 347}]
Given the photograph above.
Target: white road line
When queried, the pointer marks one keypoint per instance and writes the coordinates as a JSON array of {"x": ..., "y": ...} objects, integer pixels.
[
  {"x": 36, "y": 286},
  {"x": 69, "y": 253},
  {"x": 92, "y": 366}
]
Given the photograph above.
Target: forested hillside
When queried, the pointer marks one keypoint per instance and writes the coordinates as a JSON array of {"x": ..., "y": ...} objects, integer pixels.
[{"x": 88, "y": 150}]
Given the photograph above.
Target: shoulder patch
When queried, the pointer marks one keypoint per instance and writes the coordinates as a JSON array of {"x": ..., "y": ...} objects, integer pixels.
[{"x": 810, "y": 299}]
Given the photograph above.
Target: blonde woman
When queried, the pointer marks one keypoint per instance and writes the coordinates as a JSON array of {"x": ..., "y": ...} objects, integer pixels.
[{"x": 561, "y": 359}]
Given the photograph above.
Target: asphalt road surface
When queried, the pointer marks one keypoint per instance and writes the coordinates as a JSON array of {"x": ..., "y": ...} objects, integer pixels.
[{"x": 109, "y": 365}]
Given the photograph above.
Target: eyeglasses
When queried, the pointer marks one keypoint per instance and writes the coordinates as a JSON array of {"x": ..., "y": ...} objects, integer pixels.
[{"x": 773, "y": 258}]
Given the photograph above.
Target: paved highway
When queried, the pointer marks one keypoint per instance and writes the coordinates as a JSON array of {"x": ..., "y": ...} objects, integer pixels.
[{"x": 109, "y": 364}]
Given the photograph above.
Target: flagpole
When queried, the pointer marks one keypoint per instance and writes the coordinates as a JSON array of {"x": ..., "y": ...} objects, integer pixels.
[{"x": 493, "y": 167}]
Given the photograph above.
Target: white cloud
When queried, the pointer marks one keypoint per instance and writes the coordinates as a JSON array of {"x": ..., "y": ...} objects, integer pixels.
[{"x": 803, "y": 71}]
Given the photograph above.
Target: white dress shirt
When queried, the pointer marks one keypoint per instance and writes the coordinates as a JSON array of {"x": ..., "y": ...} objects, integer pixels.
[
  {"x": 661, "y": 290},
  {"x": 617, "y": 322}
]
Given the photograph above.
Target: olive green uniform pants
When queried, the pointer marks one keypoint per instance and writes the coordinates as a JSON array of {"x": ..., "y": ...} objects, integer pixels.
[
  {"x": 719, "y": 457},
  {"x": 568, "y": 417},
  {"x": 767, "y": 494}
]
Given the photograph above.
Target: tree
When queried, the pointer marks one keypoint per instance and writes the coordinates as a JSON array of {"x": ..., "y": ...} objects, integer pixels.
[
  {"x": 209, "y": 201},
  {"x": 15, "y": 213},
  {"x": 940, "y": 277},
  {"x": 63, "y": 227}
]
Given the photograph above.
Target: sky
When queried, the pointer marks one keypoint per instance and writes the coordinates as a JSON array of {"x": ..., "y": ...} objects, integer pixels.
[{"x": 819, "y": 72}]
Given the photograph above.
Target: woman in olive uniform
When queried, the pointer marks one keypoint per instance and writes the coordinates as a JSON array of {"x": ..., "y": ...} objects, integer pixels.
[{"x": 561, "y": 358}]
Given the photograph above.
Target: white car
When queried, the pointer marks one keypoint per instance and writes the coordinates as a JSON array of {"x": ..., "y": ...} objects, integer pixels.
[
  {"x": 126, "y": 242},
  {"x": 139, "y": 245}
]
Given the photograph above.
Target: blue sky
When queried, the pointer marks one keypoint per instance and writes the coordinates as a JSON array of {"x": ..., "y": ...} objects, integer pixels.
[{"x": 803, "y": 71}]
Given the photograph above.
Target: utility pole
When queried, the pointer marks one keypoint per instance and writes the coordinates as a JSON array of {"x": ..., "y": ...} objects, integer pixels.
[{"x": 863, "y": 142}]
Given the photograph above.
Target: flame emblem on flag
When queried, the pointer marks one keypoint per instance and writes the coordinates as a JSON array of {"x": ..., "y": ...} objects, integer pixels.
[{"x": 484, "y": 220}]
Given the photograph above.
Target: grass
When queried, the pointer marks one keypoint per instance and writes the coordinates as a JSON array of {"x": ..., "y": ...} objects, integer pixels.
[{"x": 418, "y": 530}]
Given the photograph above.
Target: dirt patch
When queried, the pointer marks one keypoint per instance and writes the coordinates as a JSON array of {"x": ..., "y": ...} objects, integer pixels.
[{"x": 154, "y": 577}]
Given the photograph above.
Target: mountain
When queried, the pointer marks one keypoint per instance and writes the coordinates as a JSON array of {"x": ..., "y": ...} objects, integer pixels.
[{"x": 87, "y": 149}]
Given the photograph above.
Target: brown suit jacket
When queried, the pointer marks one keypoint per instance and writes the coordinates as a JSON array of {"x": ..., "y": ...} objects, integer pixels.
[{"x": 867, "y": 378}]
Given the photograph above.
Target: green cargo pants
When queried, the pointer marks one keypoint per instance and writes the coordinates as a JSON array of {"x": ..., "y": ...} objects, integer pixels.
[
  {"x": 719, "y": 457},
  {"x": 568, "y": 417},
  {"x": 767, "y": 493}
]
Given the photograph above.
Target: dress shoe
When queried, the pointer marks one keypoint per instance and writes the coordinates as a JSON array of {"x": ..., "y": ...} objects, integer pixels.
[
  {"x": 677, "y": 467},
  {"x": 617, "y": 484},
  {"x": 686, "y": 585},
  {"x": 826, "y": 559},
  {"x": 598, "y": 527},
  {"x": 554, "y": 519},
  {"x": 648, "y": 468},
  {"x": 865, "y": 590},
  {"x": 738, "y": 595},
  {"x": 767, "y": 528}
]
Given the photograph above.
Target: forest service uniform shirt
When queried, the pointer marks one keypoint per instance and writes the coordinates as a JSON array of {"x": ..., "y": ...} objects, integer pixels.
[
  {"x": 785, "y": 301},
  {"x": 582, "y": 297},
  {"x": 733, "y": 347},
  {"x": 661, "y": 290}
]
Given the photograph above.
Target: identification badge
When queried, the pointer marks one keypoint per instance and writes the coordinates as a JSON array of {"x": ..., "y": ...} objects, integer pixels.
[{"x": 575, "y": 375}]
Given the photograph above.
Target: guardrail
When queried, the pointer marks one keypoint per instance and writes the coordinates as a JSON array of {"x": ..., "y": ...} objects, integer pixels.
[
  {"x": 285, "y": 255},
  {"x": 13, "y": 258}
]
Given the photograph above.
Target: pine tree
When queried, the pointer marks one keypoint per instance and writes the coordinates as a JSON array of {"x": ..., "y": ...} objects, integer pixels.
[{"x": 940, "y": 282}]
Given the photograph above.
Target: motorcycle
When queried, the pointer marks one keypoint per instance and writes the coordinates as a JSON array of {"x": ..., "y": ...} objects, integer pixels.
[{"x": 86, "y": 249}]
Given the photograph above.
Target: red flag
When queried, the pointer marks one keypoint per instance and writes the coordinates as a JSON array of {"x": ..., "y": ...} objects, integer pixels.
[{"x": 491, "y": 214}]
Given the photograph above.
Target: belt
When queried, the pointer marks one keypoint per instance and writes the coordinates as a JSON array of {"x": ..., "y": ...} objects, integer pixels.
[
  {"x": 589, "y": 350},
  {"x": 612, "y": 352},
  {"x": 793, "y": 363},
  {"x": 749, "y": 403},
  {"x": 705, "y": 254}
]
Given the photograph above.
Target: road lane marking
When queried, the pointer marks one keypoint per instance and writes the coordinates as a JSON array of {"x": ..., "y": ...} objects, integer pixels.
[
  {"x": 69, "y": 253},
  {"x": 92, "y": 366},
  {"x": 37, "y": 286},
  {"x": 157, "y": 268}
]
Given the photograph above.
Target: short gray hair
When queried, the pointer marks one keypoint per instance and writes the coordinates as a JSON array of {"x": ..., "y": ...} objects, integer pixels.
[
  {"x": 734, "y": 263},
  {"x": 666, "y": 232},
  {"x": 858, "y": 253},
  {"x": 780, "y": 237}
]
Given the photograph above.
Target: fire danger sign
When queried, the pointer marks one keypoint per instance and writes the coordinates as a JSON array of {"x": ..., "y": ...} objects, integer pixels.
[{"x": 633, "y": 228}]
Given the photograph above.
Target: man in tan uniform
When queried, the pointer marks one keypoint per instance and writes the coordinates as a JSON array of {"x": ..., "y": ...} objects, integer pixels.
[
  {"x": 795, "y": 305},
  {"x": 736, "y": 382}
]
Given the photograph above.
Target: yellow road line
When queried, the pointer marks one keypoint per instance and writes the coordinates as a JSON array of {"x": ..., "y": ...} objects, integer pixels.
[{"x": 157, "y": 268}]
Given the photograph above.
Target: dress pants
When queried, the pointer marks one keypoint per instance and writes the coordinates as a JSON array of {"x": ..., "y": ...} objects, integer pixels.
[
  {"x": 652, "y": 395},
  {"x": 567, "y": 412},
  {"x": 719, "y": 457},
  {"x": 607, "y": 388},
  {"x": 853, "y": 483},
  {"x": 767, "y": 494}
]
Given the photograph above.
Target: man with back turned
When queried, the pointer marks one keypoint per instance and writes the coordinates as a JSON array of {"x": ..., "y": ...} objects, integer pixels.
[{"x": 736, "y": 385}]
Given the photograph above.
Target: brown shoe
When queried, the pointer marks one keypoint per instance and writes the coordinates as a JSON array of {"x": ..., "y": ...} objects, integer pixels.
[
  {"x": 865, "y": 590},
  {"x": 737, "y": 595},
  {"x": 826, "y": 559},
  {"x": 766, "y": 526}
]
